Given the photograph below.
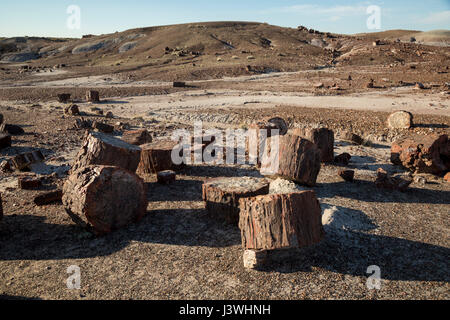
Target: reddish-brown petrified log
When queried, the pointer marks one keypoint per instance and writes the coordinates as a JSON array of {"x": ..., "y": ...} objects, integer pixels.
[
  {"x": 103, "y": 149},
  {"x": 423, "y": 153},
  {"x": 278, "y": 221},
  {"x": 104, "y": 198},
  {"x": 295, "y": 159},
  {"x": 157, "y": 156},
  {"x": 322, "y": 137}
]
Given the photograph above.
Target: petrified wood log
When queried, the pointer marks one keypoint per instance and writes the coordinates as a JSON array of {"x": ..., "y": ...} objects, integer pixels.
[
  {"x": 24, "y": 160},
  {"x": 278, "y": 221},
  {"x": 423, "y": 153},
  {"x": 265, "y": 129},
  {"x": 385, "y": 181},
  {"x": 102, "y": 149},
  {"x": 64, "y": 97},
  {"x": 296, "y": 159},
  {"x": 93, "y": 96},
  {"x": 104, "y": 198},
  {"x": 102, "y": 127},
  {"x": 157, "y": 156},
  {"x": 222, "y": 195},
  {"x": 137, "y": 137},
  {"x": 322, "y": 137}
]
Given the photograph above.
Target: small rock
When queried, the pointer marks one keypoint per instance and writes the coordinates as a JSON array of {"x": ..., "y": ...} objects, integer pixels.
[
  {"x": 400, "y": 120},
  {"x": 347, "y": 175},
  {"x": 351, "y": 137},
  {"x": 419, "y": 86},
  {"x": 447, "y": 177},
  {"x": 343, "y": 159},
  {"x": 420, "y": 180},
  {"x": 109, "y": 115},
  {"x": 166, "y": 177},
  {"x": 254, "y": 259}
]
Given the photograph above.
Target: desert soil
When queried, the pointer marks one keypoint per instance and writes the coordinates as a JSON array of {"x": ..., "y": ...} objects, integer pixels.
[{"x": 177, "y": 251}]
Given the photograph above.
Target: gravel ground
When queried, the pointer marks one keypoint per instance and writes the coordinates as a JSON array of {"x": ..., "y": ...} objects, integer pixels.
[{"x": 177, "y": 252}]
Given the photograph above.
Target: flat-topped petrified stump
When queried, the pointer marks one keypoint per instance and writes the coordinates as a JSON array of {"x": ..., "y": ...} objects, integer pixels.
[
  {"x": 279, "y": 221},
  {"x": 104, "y": 198},
  {"x": 222, "y": 195}
]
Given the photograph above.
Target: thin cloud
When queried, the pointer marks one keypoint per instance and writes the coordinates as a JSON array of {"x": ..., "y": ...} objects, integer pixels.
[
  {"x": 437, "y": 17},
  {"x": 335, "y": 11}
]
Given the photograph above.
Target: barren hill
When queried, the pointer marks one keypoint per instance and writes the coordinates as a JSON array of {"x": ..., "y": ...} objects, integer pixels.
[{"x": 211, "y": 50}]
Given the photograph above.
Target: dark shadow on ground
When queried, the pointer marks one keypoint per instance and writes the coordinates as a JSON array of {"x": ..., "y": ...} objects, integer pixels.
[
  {"x": 180, "y": 190},
  {"x": 373, "y": 194},
  {"x": 432, "y": 125},
  {"x": 4, "y": 297},
  {"x": 351, "y": 253},
  {"x": 26, "y": 237}
]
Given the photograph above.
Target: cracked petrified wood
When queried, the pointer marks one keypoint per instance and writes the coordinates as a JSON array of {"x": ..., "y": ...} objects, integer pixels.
[
  {"x": 222, "y": 195},
  {"x": 279, "y": 221},
  {"x": 322, "y": 137},
  {"x": 423, "y": 153},
  {"x": 157, "y": 156},
  {"x": 104, "y": 198},
  {"x": 295, "y": 159},
  {"x": 103, "y": 149}
]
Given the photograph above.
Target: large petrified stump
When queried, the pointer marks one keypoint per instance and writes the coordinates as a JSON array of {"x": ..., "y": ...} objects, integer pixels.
[
  {"x": 157, "y": 156},
  {"x": 104, "y": 198},
  {"x": 279, "y": 221},
  {"x": 294, "y": 159},
  {"x": 322, "y": 137},
  {"x": 423, "y": 153},
  {"x": 103, "y": 149},
  {"x": 222, "y": 195}
]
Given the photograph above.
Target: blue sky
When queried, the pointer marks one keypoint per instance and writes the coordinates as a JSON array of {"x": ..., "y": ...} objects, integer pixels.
[{"x": 49, "y": 18}]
